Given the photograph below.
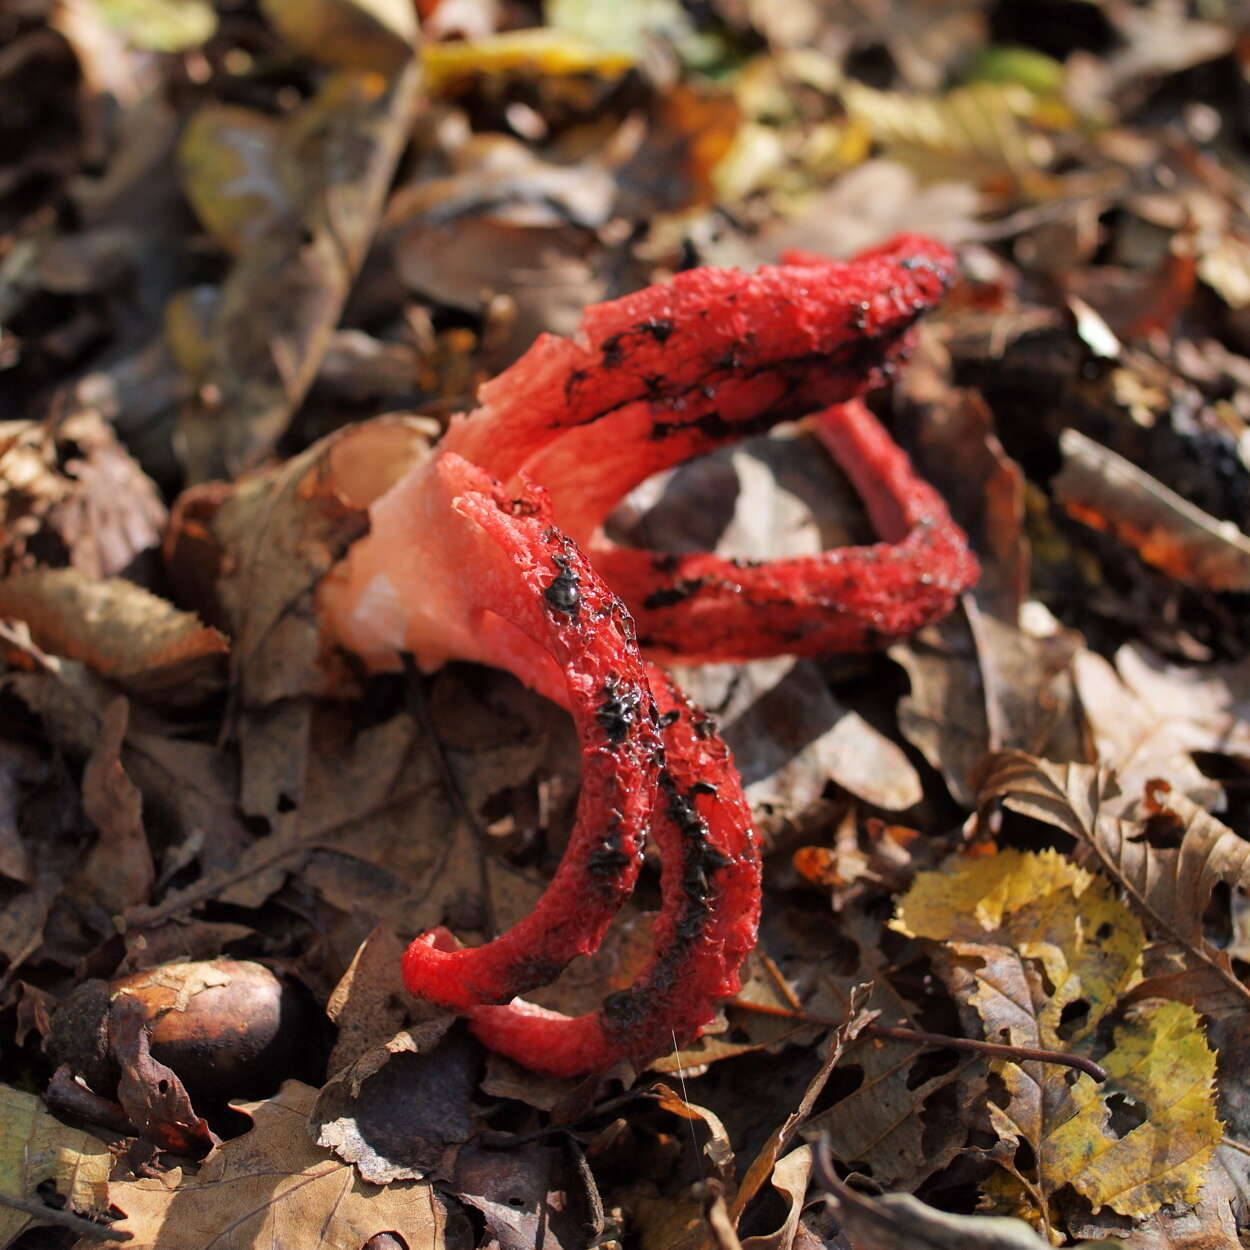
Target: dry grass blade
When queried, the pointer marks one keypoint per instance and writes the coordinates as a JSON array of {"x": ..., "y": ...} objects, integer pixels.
[{"x": 1169, "y": 885}]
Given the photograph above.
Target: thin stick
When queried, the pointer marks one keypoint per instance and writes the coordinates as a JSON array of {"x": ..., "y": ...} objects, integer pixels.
[{"x": 995, "y": 1050}]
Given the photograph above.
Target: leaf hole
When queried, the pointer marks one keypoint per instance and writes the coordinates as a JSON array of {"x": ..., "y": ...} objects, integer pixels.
[
  {"x": 1073, "y": 1019},
  {"x": 1126, "y": 1114}
]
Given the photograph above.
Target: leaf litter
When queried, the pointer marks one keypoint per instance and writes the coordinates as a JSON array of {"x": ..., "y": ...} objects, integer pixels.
[{"x": 227, "y": 232}]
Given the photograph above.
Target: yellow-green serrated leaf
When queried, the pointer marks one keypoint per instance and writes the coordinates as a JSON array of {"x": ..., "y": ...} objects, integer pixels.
[
  {"x": 1029, "y": 936},
  {"x": 36, "y": 1148},
  {"x": 970, "y": 898},
  {"x": 1161, "y": 1069},
  {"x": 1161, "y": 1061}
]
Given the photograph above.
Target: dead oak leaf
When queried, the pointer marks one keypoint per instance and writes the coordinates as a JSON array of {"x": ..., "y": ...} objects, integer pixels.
[
  {"x": 273, "y": 1186},
  {"x": 1148, "y": 717}
]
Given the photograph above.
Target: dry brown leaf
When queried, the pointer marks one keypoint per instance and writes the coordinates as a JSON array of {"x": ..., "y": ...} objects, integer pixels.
[
  {"x": 378, "y": 35},
  {"x": 960, "y": 676},
  {"x": 119, "y": 630},
  {"x": 1149, "y": 718},
  {"x": 524, "y": 1197},
  {"x": 194, "y": 785},
  {"x": 273, "y": 1186},
  {"x": 880, "y": 1126},
  {"x": 370, "y": 1002},
  {"x": 282, "y": 301},
  {"x": 261, "y": 548},
  {"x": 761, "y": 1168},
  {"x": 1169, "y": 885},
  {"x": 791, "y": 736}
]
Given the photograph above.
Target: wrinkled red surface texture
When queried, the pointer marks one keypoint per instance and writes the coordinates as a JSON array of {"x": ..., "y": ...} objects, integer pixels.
[
  {"x": 710, "y": 882},
  {"x": 465, "y": 560},
  {"x": 534, "y": 597},
  {"x": 713, "y": 356}
]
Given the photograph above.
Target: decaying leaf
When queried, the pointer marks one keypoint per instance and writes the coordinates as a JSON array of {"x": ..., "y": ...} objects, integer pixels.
[
  {"x": 1107, "y": 492},
  {"x": 1044, "y": 953},
  {"x": 402, "y": 1109},
  {"x": 895, "y": 1221},
  {"x": 37, "y": 1151},
  {"x": 273, "y": 1186},
  {"x": 228, "y": 161}
]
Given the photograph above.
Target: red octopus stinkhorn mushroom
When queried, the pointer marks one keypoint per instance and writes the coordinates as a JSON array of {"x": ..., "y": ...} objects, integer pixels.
[{"x": 652, "y": 379}]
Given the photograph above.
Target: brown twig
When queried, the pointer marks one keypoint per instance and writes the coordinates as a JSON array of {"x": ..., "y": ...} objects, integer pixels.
[{"x": 919, "y": 1037}]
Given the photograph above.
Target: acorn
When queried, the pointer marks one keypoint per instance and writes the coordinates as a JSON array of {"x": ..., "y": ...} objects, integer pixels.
[{"x": 229, "y": 1029}]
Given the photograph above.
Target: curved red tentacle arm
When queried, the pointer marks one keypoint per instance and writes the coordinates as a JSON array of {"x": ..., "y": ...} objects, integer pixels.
[
  {"x": 701, "y": 607},
  {"x": 502, "y": 585},
  {"x": 715, "y": 355},
  {"x": 710, "y": 881}
]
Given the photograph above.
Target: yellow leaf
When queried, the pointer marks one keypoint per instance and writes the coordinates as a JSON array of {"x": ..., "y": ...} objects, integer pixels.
[
  {"x": 983, "y": 131},
  {"x": 1160, "y": 1061},
  {"x": 539, "y": 50},
  {"x": 1044, "y": 951}
]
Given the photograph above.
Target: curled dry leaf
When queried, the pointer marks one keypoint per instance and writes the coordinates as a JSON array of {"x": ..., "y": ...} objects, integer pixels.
[
  {"x": 120, "y": 631},
  {"x": 70, "y": 493},
  {"x": 892, "y": 1221},
  {"x": 1107, "y": 492}
]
